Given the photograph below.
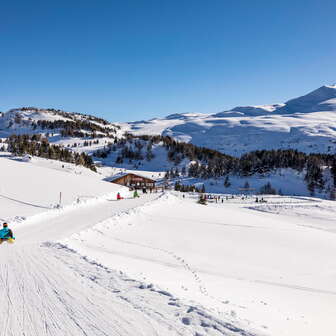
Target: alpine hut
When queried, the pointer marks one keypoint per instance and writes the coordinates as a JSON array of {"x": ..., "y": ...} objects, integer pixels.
[{"x": 133, "y": 181}]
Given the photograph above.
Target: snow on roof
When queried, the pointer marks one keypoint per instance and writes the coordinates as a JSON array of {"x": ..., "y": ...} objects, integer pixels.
[{"x": 117, "y": 176}]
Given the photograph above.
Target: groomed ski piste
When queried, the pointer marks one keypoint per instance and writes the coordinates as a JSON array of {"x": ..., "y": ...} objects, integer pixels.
[{"x": 161, "y": 264}]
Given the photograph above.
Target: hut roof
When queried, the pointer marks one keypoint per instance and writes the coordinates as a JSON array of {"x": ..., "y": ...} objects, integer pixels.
[{"x": 118, "y": 176}]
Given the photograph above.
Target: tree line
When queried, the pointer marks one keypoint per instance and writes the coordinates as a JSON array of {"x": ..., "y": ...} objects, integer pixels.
[
  {"x": 75, "y": 127},
  {"x": 68, "y": 115},
  {"x": 37, "y": 145},
  {"x": 207, "y": 163}
]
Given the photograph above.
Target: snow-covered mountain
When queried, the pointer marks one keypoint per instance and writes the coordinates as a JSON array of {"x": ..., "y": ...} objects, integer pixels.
[
  {"x": 27, "y": 120},
  {"x": 306, "y": 123},
  {"x": 322, "y": 99},
  {"x": 83, "y": 139}
]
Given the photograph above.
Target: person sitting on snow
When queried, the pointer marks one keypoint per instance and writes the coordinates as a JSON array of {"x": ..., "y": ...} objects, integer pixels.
[{"x": 6, "y": 233}]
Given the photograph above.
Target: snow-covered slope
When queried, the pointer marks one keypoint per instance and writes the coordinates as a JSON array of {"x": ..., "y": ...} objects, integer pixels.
[
  {"x": 232, "y": 268},
  {"x": 322, "y": 99},
  {"x": 32, "y": 188},
  {"x": 251, "y": 110},
  {"x": 307, "y": 123},
  {"x": 27, "y": 120},
  {"x": 263, "y": 268},
  {"x": 49, "y": 289}
]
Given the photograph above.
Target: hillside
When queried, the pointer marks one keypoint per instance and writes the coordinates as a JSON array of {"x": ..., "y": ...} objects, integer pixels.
[
  {"x": 306, "y": 123},
  {"x": 50, "y": 289},
  {"x": 32, "y": 188},
  {"x": 193, "y": 148},
  {"x": 288, "y": 171},
  {"x": 261, "y": 264},
  {"x": 162, "y": 264},
  {"x": 159, "y": 264},
  {"x": 30, "y": 120}
]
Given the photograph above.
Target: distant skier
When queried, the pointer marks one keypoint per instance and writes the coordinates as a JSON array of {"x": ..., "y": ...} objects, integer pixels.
[
  {"x": 6, "y": 233},
  {"x": 135, "y": 194},
  {"x": 119, "y": 196}
]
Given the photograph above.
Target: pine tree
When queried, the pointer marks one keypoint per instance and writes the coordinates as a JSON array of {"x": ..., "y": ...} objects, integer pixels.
[
  {"x": 333, "y": 171},
  {"x": 227, "y": 182},
  {"x": 267, "y": 189},
  {"x": 311, "y": 188}
]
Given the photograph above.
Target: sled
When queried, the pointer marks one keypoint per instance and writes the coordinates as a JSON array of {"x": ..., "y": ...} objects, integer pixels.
[{"x": 7, "y": 240}]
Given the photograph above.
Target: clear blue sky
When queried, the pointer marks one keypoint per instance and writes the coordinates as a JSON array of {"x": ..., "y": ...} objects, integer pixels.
[{"x": 137, "y": 59}]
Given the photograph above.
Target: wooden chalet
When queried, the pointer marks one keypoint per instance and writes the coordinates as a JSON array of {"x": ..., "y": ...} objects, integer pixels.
[{"x": 133, "y": 181}]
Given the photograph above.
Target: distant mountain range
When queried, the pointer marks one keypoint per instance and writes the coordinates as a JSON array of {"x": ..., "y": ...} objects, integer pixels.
[{"x": 306, "y": 123}]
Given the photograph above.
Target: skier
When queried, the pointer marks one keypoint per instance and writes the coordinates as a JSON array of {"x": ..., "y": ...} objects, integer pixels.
[
  {"x": 119, "y": 196},
  {"x": 135, "y": 194},
  {"x": 6, "y": 234}
]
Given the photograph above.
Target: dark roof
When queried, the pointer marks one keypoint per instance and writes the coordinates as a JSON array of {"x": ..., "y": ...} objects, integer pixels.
[{"x": 118, "y": 176}]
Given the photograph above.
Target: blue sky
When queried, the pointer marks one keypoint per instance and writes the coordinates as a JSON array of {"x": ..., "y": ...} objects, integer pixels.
[{"x": 138, "y": 59}]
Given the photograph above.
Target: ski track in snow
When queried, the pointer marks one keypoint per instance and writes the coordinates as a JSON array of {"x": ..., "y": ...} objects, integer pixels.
[
  {"x": 48, "y": 289},
  {"x": 58, "y": 301}
]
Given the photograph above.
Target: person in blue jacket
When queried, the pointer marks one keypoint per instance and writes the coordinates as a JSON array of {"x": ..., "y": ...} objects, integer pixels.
[{"x": 6, "y": 233}]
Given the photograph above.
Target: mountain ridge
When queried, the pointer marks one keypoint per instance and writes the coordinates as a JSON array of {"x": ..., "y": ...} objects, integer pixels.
[{"x": 306, "y": 123}]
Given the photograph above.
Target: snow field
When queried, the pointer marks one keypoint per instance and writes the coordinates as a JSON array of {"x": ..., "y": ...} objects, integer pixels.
[
  {"x": 237, "y": 268},
  {"x": 251, "y": 267},
  {"x": 49, "y": 289},
  {"x": 33, "y": 188}
]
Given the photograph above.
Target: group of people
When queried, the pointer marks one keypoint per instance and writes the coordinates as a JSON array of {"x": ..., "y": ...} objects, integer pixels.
[
  {"x": 217, "y": 198},
  {"x": 135, "y": 193},
  {"x": 221, "y": 199}
]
